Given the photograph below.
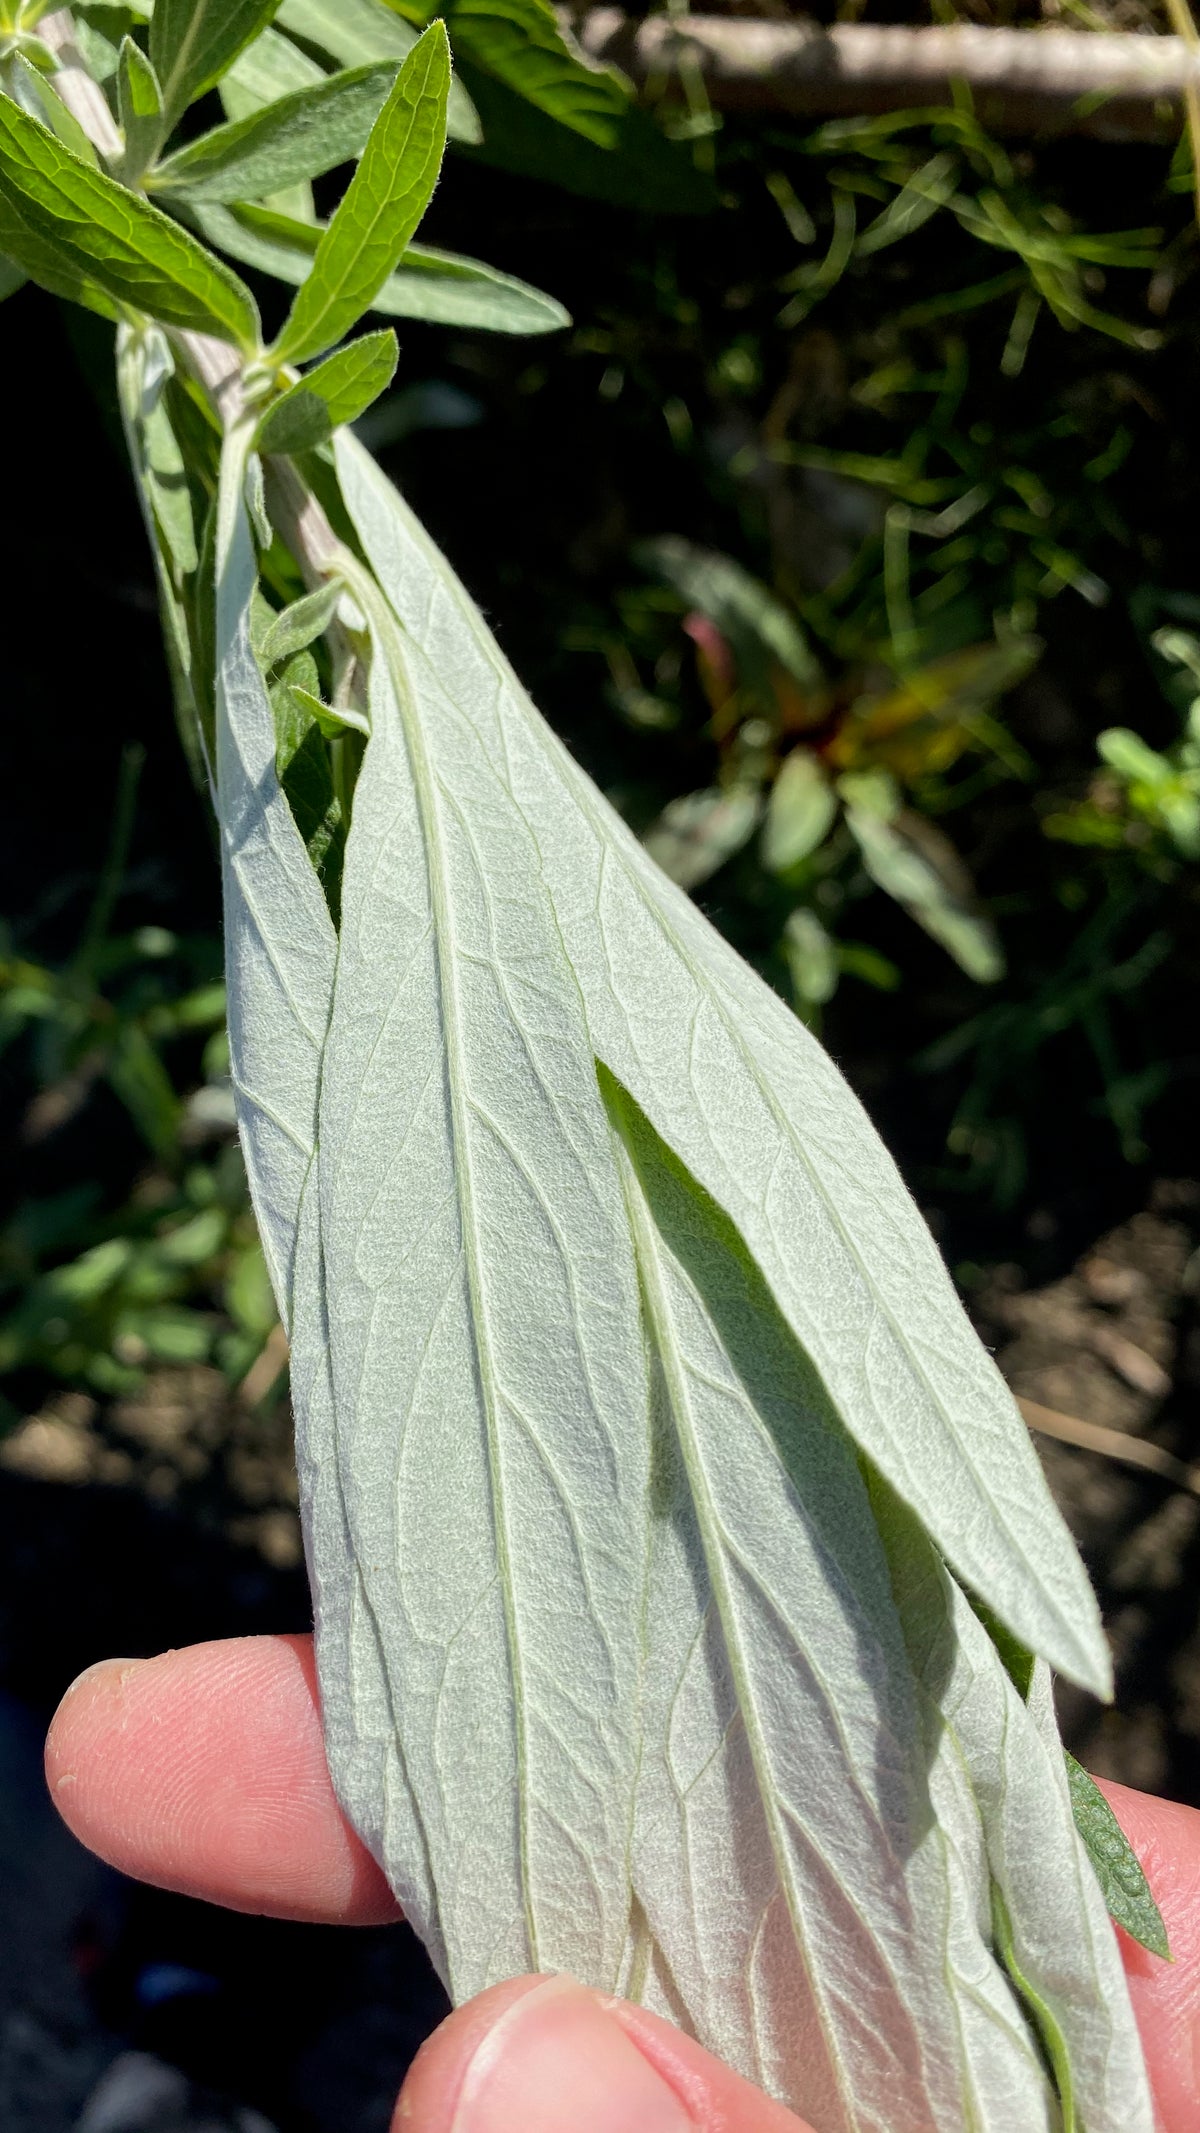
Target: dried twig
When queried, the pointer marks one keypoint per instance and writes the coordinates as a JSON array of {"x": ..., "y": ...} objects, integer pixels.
[
  {"x": 1119, "y": 87},
  {"x": 1111, "y": 1444}
]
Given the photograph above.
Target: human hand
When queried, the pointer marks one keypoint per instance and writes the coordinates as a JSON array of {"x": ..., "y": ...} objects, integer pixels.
[{"x": 204, "y": 1771}]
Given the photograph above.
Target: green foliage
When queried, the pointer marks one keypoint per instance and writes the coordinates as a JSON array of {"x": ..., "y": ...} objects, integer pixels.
[
  {"x": 381, "y": 208},
  {"x": 301, "y": 135},
  {"x": 1118, "y": 1869},
  {"x": 337, "y": 391},
  {"x": 107, "y": 235},
  {"x": 194, "y": 42}
]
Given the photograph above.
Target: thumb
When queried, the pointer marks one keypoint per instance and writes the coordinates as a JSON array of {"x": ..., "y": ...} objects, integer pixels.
[{"x": 541, "y": 2053}]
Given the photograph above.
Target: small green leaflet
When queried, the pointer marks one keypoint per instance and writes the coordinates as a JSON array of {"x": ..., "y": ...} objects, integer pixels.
[
  {"x": 140, "y": 110},
  {"x": 192, "y": 42},
  {"x": 337, "y": 391},
  {"x": 300, "y": 624},
  {"x": 113, "y": 237},
  {"x": 355, "y": 32},
  {"x": 299, "y": 136},
  {"x": 380, "y": 209},
  {"x": 1123, "y": 1884},
  {"x": 923, "y": 878},
  {"x": 439, "y": 287}
]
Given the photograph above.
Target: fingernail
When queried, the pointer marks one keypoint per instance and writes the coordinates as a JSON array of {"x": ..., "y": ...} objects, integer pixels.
[{"x": 555, "y": 2062}]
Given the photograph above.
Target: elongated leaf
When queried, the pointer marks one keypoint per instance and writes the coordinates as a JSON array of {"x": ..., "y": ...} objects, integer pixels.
[
  {"x": 381, "y": 208},
  {"x": 192, "y": 42},
  {"x": 280, "y": 945},
  {"x": 357, "y": 32},
  {"x": 812, "y": 1962},
  {"x": 440, "y": 287},
  {"x": 1052, "y": 1929},
  {"x": 930, "y": 892},
  {"x": 299, "y": 136},
  {"x": 35, "y": 256},
  {"x": 764, "y": 1122},
  {"x": 115, "y": 239},
  {"x": 306, "y": 774},
  {"x": 35, "y": 93},
  {"x": 140, "y": 109},
  {"x": 12, "y": 277},
  {"x": 337, "y": 391},
  {"x": 487, "y": 1363},
  {"x": 1118, "y": 1869}
]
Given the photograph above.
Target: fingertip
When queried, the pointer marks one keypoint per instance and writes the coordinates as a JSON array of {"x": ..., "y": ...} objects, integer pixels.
[
  {"x": 204, "y": 1771},
  {"x": 541, "y": 2052}
]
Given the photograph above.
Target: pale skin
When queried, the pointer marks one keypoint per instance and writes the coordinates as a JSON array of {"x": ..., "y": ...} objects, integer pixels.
[{"x": 203, "y": 1771}]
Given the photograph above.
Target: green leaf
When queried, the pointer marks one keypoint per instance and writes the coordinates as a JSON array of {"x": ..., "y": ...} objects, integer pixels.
[
  {"x": 332, "y": 720},
  {"x": 775, "y": 1666},
  {"x": 800, "y": 811},
  {"x": 1123, "y": 1883},
  {"x": 269, "y": 68},
  {"x": 140, "y": 110},
  {"x": 357, "y": 32},
  {"x": 637, "y": 167},
  {"x": 116, "y": 239},
  {"x": 380, "y": 209},
  {"x": 697, "y": 833},
  {"x": 300, "y": 624},
  {"x": 28, "y": 254},
  {"x": 438, "y": 287},
  {"x": 193, "y": 42},
  {"x": 337, "y": 391},
  {"x": 926, "y": 878},
  {"x": 12, "y": 277},
  {"x": 299, "y": 136},
  {"x": 732, "y": 1081}
]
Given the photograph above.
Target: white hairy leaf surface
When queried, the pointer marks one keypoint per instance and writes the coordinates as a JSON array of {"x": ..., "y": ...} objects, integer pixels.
[
  {"x": 800, "y": 1905},
  {"x": 487, "y": 1363},
  {"x": 280, "y": 946},
  {"x": 1066, "y": 1964},
  {"x": 734, "y": 1083}
]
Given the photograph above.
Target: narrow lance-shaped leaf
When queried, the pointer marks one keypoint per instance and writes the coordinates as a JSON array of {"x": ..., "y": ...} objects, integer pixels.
[
  {"x": 337, "y": 391},
  {"x": 300, "y": 624},
  {"x": 192, "y": 42},
  {"x": 140, "y": 110},
  {"x": 381, "y": 208},
  {"x": 779, "y": 1855},
  {"x": 733, "y": 1082},
  {"x": 1118, "y": 1869},
  {"x": 487, "y": 1362},
  {"x": 298, "y": 136},
  {"x": 438, "y": 286},
  {"x": 116, "y": 239}
]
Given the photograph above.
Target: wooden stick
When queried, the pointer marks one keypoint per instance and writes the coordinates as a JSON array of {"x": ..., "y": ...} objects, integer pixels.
[
  {"x": 1111, "y": 1444},
  {"x": 1116, "y": 86}
]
